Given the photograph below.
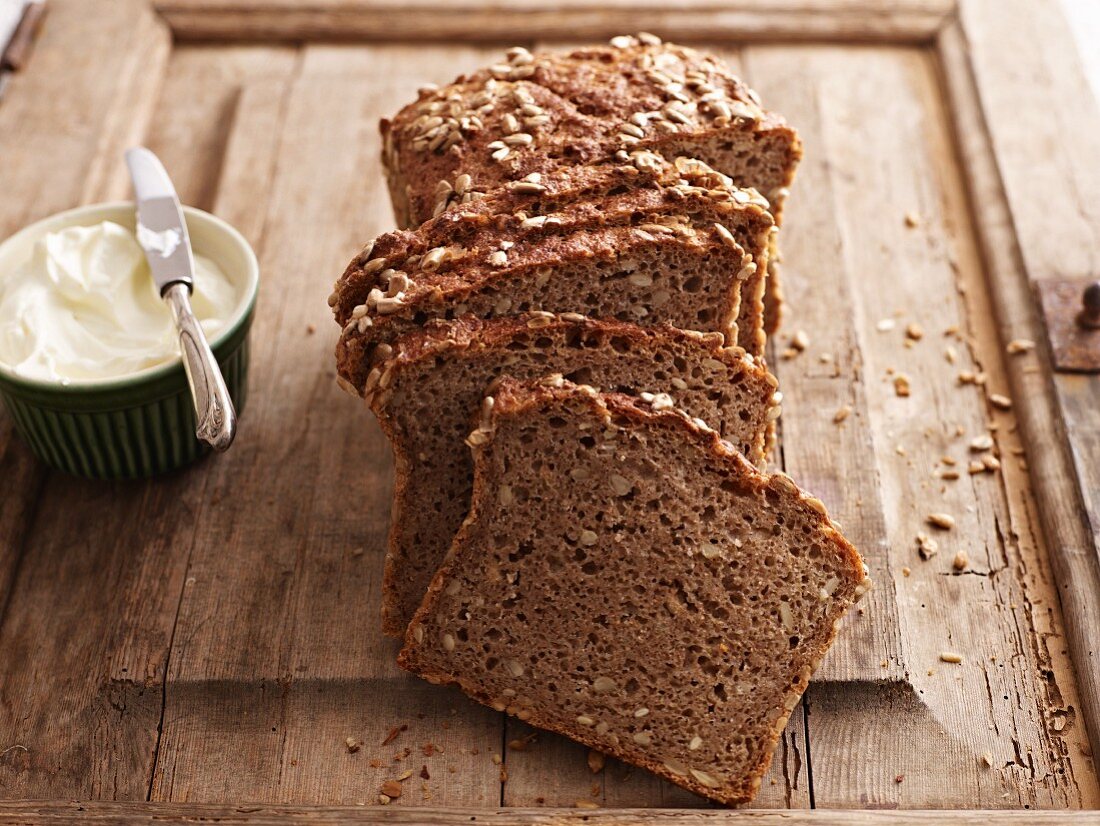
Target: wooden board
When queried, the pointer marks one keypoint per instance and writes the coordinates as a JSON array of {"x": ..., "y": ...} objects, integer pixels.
[{"x": 211, "y": 636}]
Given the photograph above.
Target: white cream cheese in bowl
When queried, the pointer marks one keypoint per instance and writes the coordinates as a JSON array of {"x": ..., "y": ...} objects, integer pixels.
[{"x": 84, "y": 307}]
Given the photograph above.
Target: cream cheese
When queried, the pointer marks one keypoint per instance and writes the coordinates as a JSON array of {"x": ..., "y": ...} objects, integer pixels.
[{"x": 85, "y": 307}]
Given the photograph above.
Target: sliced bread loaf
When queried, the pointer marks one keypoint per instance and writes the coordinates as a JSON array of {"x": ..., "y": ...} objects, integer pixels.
[
  {"x": 644, "y": 192},
  {"x": 688, "y": 280},
  {"x": 425, "y": 393},
  {"x": 536, "y": 112},
  {"x": 627, "y": 579}
]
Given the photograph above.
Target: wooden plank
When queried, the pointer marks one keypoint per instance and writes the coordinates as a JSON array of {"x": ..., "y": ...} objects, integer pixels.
[
  {"x": 470, "y": 20},
  {"x": 36, "y": 813},
  {"x": 277, "y": 656},
  {"x": 1013, "y": 691},
  {"x": 48, "y": 170},
  {"x": 994, "y": 67},
  {"x": 836, "y": 462},
  {"x": 198, "y": 104},
  {"x": 99, "y": 62}
]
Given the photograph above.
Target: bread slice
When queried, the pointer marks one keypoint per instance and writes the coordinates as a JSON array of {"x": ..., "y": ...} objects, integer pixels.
[
  {"x": 686, "y": 278},
  {"x": 627, "y": 579},
  {"x": 644, "y": 191},
  {"x": 534, "y": 113},
  {"x": 427, "y": 390}
]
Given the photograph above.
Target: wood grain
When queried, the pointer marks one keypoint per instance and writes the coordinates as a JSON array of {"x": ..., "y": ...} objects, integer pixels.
[
  {"x": 90, "y": 733},
  {"x": 1058, "y": 413},
  {"x": 922, "y": 270},
  {"x": 48, "y": 170},
  {"x": 38, "y": 813},
  {"x": 390, "y": 20},
  {"x": 277, "y": 657}
]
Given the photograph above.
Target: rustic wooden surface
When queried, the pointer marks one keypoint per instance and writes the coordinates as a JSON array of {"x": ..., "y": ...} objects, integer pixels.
[
  {"x": 45, "y": 814},
  {"x": 211, "y": 636}
]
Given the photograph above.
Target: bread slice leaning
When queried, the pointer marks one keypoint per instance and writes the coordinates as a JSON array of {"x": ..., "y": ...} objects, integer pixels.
[
  {"x": 436, "y": 378},
  {"x": 689, "y": 279},
  {"x": 533, "y": 113},
  {"x": 642, "y": 191},
  {"x": 626, "y": 578}
]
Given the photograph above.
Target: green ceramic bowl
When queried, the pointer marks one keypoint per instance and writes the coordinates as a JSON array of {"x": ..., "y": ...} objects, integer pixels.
[{"x": 142, "y": 423}]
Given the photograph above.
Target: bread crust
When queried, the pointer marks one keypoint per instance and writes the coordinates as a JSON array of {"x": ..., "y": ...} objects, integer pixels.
[
  {"x": 590, "y": 104},
  {"x": 468, "y": 336},
  {"x": 512, "y": 399}
]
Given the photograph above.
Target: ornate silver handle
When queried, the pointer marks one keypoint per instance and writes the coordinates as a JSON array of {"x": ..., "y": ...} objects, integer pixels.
[{"x": 215, "y": 418}]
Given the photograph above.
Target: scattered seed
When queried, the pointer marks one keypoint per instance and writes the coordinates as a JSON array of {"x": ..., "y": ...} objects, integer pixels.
[
  {"x": 800, "y": 341},
  {"x": 901, "y": 385},
  {"x": 842, "y": 414},
  {"x": 980, "y": 443},
  {"x": 596, "y": 761},
  {"x": 950, "y": 657},
  {"x": 960, "y": 561},
  {"x": 944, "y": 521},
  {"x": 951, "y": 354},
  {"x": 886, "y": 325},
  {"x": 1000, "y": 402},
  {"x": 1020, "y": 345},
  {"x": 585, "y": 804},
  {"x": 905, "y": 571},
  {"x": 914, "y": 331},
  {"x": 987, "y": 759},
  {"x": 912, "y": 220}
]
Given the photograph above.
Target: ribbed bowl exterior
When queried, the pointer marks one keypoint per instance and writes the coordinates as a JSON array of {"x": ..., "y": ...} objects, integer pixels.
[{"x": 131, "y": 432}]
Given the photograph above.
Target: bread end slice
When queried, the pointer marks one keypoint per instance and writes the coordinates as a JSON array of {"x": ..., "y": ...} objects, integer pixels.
[{"x": 627, "y": 579}]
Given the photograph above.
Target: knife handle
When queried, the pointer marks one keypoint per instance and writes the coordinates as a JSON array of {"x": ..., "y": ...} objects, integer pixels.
[{"x": 216, "y": 420}]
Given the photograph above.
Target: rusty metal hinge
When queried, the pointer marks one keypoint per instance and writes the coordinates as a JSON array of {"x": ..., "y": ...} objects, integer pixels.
[{"x": 1071, "y": 312}]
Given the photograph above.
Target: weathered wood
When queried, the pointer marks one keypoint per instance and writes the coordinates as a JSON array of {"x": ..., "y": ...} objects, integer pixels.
[
  {"x": 389, "y": 20},
  {"x": 278, "y": 658},
  {"x": 198, "y": 104},
  {"x": 42, "y": 813},
  {"x": 46, "y": 169},
  {"x": 89, "y": 733},
  {"x": 994, "y": 67},
  {"x": 907, "y": 255}
]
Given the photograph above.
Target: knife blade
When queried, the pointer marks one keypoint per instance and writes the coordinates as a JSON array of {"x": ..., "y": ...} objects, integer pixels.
[
  {"x": 161, "y": 230},
  {"x": 162, "y": 234}
]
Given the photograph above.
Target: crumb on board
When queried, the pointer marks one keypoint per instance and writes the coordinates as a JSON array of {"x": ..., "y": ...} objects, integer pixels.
[
  {"x": 842, "y": 414},
  {"x": 585, "y": 804},
  {"x": 914, "y": 332},
  {"x": 927, "y": 547},
  {"x": 1020, "y": 345},
  {"x": 960, "y": 561},
  {"x": 901, "y": 385},
  {"x": 595, "y": 761},
  {"x": 352, "y": 744},
  {"x": 394, "y": 733},
  {"x": 912, "y": 220},
  {"x": 944, "y": 521}
]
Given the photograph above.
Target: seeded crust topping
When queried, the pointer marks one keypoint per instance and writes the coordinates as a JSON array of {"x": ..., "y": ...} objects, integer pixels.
[
  {"x": 511, "y": 119},
  {"x": 684, "y": 619}
]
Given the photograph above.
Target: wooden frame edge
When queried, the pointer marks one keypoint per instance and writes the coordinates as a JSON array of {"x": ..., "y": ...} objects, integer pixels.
[
  {"x": 44, "y": 813},
  {"x": 918, "y": 21},
  {"x": 1074, "y": 560}
]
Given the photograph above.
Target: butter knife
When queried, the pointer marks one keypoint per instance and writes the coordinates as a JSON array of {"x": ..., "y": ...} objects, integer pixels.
[{"x": 162, "y": 233}]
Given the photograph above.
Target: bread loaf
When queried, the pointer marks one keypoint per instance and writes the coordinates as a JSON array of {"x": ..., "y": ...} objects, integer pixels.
[
  {"x": 534, "y": 113},
  {"x": 436, "y": 378},
  {"x": 627, "y": 579}
]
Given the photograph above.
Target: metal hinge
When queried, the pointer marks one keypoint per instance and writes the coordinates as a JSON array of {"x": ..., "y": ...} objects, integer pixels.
[
  {"x": 1071, "y": 312},
  {"x": 19, "y": 23}
]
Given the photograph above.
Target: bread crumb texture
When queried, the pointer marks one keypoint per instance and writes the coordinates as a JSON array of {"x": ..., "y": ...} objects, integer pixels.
[{"x": 665, "y": 605}]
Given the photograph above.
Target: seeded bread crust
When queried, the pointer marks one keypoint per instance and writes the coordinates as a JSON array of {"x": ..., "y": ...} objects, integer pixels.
[
  {"x": 614, "y": 275},
  {"x": 432, "y": 650},
  {"x": 437, "y": 375},
  {"x": 650, "y": 194},
  {"x": 537, "y": 113}
]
